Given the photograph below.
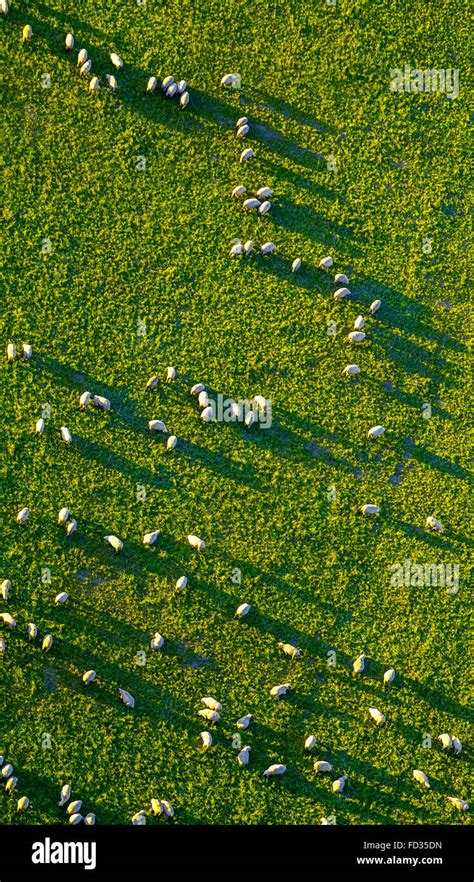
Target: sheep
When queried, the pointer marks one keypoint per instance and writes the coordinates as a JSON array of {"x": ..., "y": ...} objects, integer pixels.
[
  {"x": 264, "y": 208},
  {"x": 377, "y": 715},
  {"x": 66, "y": 435},
  {"x": 168, "y": 809},
  {"x": 111, "y": 82},
  {"x": 241, "y": 122},
  {"x": 421, "y": 778},
  {"x": 374, "y": 306},
  {"x": 389, "y": 676},
  {"x": 170, "y": 374},
  {"x": 151, "y": 85},
  {"x": 168, "y": 81},
  {"x": 75, "y": 819},
  {"x": 196, "y": 542},
  {"x": 60, "y": 598},
  {"x": 7, "y": 619},
  {"x": 47, "y": 643},
  {"x": 210, "y": 702},
  {"x": 206, "y": 740},
  {"x": 351, "y": 370},
  {"x": 4, "y": 7},
  {"x": 65, "y": 794},
  {"x": 356, "y": 337},
  {"x": 32, "y": 631},
  {"x": 248, "y": 247},
  {"x": 157, "y": 642},
  {"x": 322, "y": 766},
  {"x": 457, "y": 746},
  {"x": 89, "y": 819},
  {"x": 264, "y": 193},
  {"x": 157, "y": 426},
  {"x": 27, "y": 351},
  {"x": 27, "y": 33},
  {"x": 116, "y": 60},
  {"x": 339, "y": 784},
  {"x": 181, "y": 583},
  {"x": 296, "y": 265},
  {"x": 236, "y": 249},
  {"x": 359, "y": 323},
  {"x": 209, "y": 714},
  {"x": 63, "y": 515},
  {"x": 22, "y": 515},
  {"x": 243, "y": 757},
  {"x": 139, "y": 819},
  {"x": 370, "y": 509},
  {"x": 229, "y": 79},
  {"x": 249, "y": 419},
  {"x": 11, "y": 352},
  {"x": 7, "y": 771},
  {"x": 275, "y": 769},
  {"x": 85, "y": 69},
  {"x": 359, "y": 664},
  {"x": 172, "y": 90},
  {"x": 150, "y": 538},
  {"x": 203, "y": 399},
  {"x": 115, "y": 542},
  {"x": 84, "y": 399},
  {"x": 171, "y": 443},
  {"x": 326, "y": 263},
  {"x": 22, "y": 804},
  {"x": 71, "y": 527},
  {"x": 11, "y": 784},
  {"x": 238, "y": 191},
  {"x": 81, "y": 57},
  {"x": 69, "y": 41},
  {"x": 39, "y": 427},
  {"x": 341, "y": 293},
  {"x": 310, "y": 742},
  {"x": 446, "y": 742},
  {"x": 460, "y": 804},
  {"x": 432, "y": 523},
  {"x": 93, "y": 86},
  {"x": 341, "y": 279},
  {"x": 375, "y": 432},
  {"x": 242, "y": 610},
  {"x": 246, "y": 155},
  {"x": 3, "y": 646},
  {"x": 268, "y": 247},
  {"x": 126, "y": 697},
  {"x": 261, "y": 402},
  {"x": 102, "y": 402},
  {"x": 278, "y": 691},
  {"x": 5, "y": 589},
  {"x": 242, "y": 131},
  {"x": 244, "y": 722},
  {"x": 182, "y": 87},
  {"x": 289, "y": 649},
  {"x": 156, "y": 807},
  {"x": 88, "y": 677},
  {"x": 251, "y": 203}
]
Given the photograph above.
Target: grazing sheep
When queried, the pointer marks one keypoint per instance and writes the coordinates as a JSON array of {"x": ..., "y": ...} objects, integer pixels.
[
  {"x": 111, "y": 82},
  {"x": 208, "y": 701},
  {"x": 457, "y": 746},
  {"x": 421, "y": 778},
  {"x": 86, "y": 67},
  {"x": 11, "y": 351},
  {"x": 389, "y": 676},
  {"x": 4, "y": 7},
  {"x": 374, "y": 306},
  {"x": 32, "y": 631},
  {"x": 241, "y": 122},
  {"x": 460, "y": 804},
  {"x": 339, "y": 784},
  {"x": 433, "y": 524},
  {"x": 370, "y": 509},
  {"x": 88, "y": 677},
  {"x": 60, "y": 598},
  {"x": 27, "y": 351},
  {"x": 66, "y": 435},
  {"x": 81, "y": 57},
  {"x": 207, "y": 415},
  {"x": 206, "y": 740},
  {"x": 11, "y": 784},
  {"x": 251, "y": 203},
  {"x": 63, "y": 515},
  {"x": 150, "y": 538},
  {"x": 296, "y": 265},
  {"x": 22, "y": 804},
  {"x": 356, "y": 337},
  {"x": 359, "y": 323},
  {"x": 69, "y": 41},
  {"x": 39, "y": 428},
  {"x": 89, "y": 819},
  {"x": 209, "y": 714},
  {"x": 264, "y": 208},
  {"x": 168, "y": 81},
  {"x": 172, "y": 90},
  {"x": 278, "y": 691},
  {"x": 244, "y": 722},
  {"x": 238, "y": 191},
  {"x": 377, "y": 715},
  {"x": 171, "y": 443},
  {"x": 115, "y": 542},
  {"x": 203, "y": 399},
  {"x": 351, "y": 370},
  {"x": 116, "y": 60},
  {"x": 168, "y": 809},
  {"x": 289, "y": 649},
  {"x": 326, "y": 263},
  {"x": 229, "y": 79},
  {"x": 242, "y": 131},
  {"x": 243, "y": 757},
  {"x": 27, "y": 33},
  {"x": 246, "y": 154},
  {"x": 3, "y": 646},
  {"x": 47, "y": 643},
  {"x": 5, "y": 589},
  {"x": 74, "y": 807},
  {"x": 156, "y": 807},
  {"x": 268, "y": 247},
  {"x": 93, "y": 86},
  {"x": 126, "y": 697},
  {"x": 157, "y": 426},
  {"x": 76, "y": 818},
  {"x": 322, "y": 766},
  {"x": 341, "y": 293},
  {"x": 84, "y": 400},
  {"x": 170, "y": 374},
  {"x": 249, "y": 419},
  {"x": 102, "y": 402},
  {"x": 359, "y": 664},
  {"x": 157, "y": 642},
  {"x": 65, "y": 794},
  {"x": 446, "y": 742},
  {"x": 182, "y": 86},
  {"x": 236, "y": 249},
  {"x": 264, "y": 193},
  {"x": 7, "y": 619},
  {"x": 341, "y": 279},
  {"x": 22, "y": 515},
  {"x": 7, "y": 771},
  {"x": 275, "y": 769},
  {"x": 310, "y": 742},
  {"x": 375, "y": 432},
  {"x": 181, "y": 583},
  {"x": 151, "y": 84},
  {"x": 71, "y": 527},
  {"x": 242, "y": 610},
  {"x": 139, "y": 819},
  {"x": 152, "y": 382},
  {"x": 248, "y": 247},
  {"x": 196, "y": 542}
]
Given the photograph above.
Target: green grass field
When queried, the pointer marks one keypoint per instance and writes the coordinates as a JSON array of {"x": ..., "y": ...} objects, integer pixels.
[{"x": 129, "y": 247}]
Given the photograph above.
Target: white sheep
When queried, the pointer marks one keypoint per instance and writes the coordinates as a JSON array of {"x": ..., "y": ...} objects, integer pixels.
[
  {"x": 359, "y": 664},
  {"x": 341, "y": 279},
  {"x": 296, "y": 265},
  {"x": 356, "y": 337},
  {"x": 65, "y": 794},
  {"x": 139, "y": 819},
  {"x": 4, "y": 7},
  {"x": 75, "y": 818},
  {"x": 359, "y": 323},
  {"x": 157, "y": 642},
  {"x": 275, "y": 769},
  {"x": 249, "y": 419},
  {"x": 446, "y": 741},
  {"x": 264, "y": 208},
  {"x": 5, "y": 589},
  {"x": 150, "y": 538},
  {"x": 3, "y": 646},
  {"x": 457, "y": 745},
  {"x": 27, "y": 33},
  {"x": 152, "y": 382},
  {"x": 168, "y": 809},
  {"x": 47, "y": 643},
  {"x": 229, "y": 79},
  {"x": 375, "y": 432},
  {"x": 289, "y": 649},
  {"x": 264, "y": 193},
  {"x": 22, "y": 515},
  {"x": 241, "y": 122},
  {"x": 81, "y": 57},
  {"x": 172, "y": 90},
  {"x": 196, "y": 542},
  {"x": 111, "y": 82},
  {"x": 116, "y": 60},
  {"x": 71, "y": 527},
  {"x": 322, "y": 766},
  {"x": 211, "y": 702},
  {"x": 94, "y": 84},
  {"x": 242, "y": 610},
  {"x": 157, "y": 426},
  {"x": 7, "y": 771},
  {"x": 32, "y": 631},
  {"x": 86, "y": 67},
  {"x": 206, "y": 738},
  {"x": 88, "y": 677},
  {"x": 181, "y": 583},
  {"x": 246, "y": 154},
  {"x": 389, "y": 676},
  {"x": 126, "y": 697},
  {"x": 433, "y": 524},
  {"x": 102, "y": 402},
  {"x": 170, "y": 374},
  {"x": 278, "y": 691},
  {"x": 89, "y": 819},
  {"x": 63, "y": 515},
  {"x": 421, "y": 778},
  {"x": 370, "y": 509},
  {"x": 243, "y": 757},
  {"x": 60, "y": 598},
  {"x": 151, "y": 84},
  {"x": 182, "y": 86},
  {"x": 310, "y": 742},
  {"x": 39, "y": 428},
  {"x": 244, "y": 722},
  {"x": 69, "y": 41},
  {"x": 351, "y": 370},
  {"x": 156, "y": 807},
  {"x": 242, "y": 131},
  {"x": 374, "y": 306},
  {"x": 251, "y": 203},
  {"x": 341, "y": 293},
  {"x": 22, "y": 804},
  {"x": 460, "y": 804},
  {"x": 326, "y": 263},
  {"x": 11, "y": 352},
  {"x": 11, "y": 784},
  {"x": 203, "y": 399},
  {"x": 377, "y": 715},
  {"x": 209, "y": 714},
  {"x": 74, "y": 807},
  {"x": 168, "y": 81},
  {"x": 7, "y": 619},
  {"x": 248, "y": 247},
  {"x": 339, "y": 784},
  {"x": 66, "y": 435},
  {"x": 115, "y": 542},
  {"x": 238, "y": 191},
  {"x": 268, "y": 248},
  {"x": 84, "y": 399},
  {"x": 236, "y": 249},
  {"x": 27, "y": 351}
]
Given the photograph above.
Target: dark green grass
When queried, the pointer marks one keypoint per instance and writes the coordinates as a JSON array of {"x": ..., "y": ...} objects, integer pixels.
[{"x": 129, "y": 245}]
